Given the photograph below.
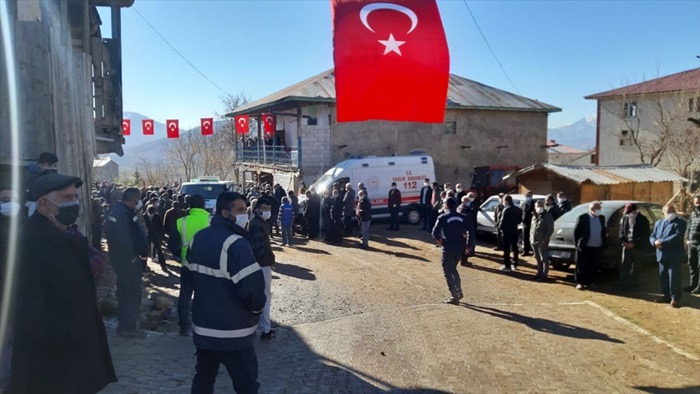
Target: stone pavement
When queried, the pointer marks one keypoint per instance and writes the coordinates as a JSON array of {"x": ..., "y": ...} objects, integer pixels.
[{"x": 536, "y": 348}]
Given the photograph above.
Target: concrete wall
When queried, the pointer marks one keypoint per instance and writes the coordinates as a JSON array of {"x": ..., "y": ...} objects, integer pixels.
[
  {"x": 569, "y": 158},
  {"x": 648, "y": 123},
  {"x": 316, "y": 141},
  {"x": 482, "y": 138}
]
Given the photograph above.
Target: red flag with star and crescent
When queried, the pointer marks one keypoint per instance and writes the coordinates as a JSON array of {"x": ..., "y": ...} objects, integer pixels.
[
  {"x": 269, "y": 123},
  {"x": 173, "y": 128},
  {"x": 242, "y": 124},
  {"x": 126, "y": 127},
  {"x": 207, "y": 126},
  {"x": 148, "y": 127},
  {"x": 391, "y": 61}
]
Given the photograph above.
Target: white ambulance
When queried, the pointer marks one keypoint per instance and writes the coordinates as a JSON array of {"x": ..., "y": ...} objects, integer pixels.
[{"x": 377, "y": 173}]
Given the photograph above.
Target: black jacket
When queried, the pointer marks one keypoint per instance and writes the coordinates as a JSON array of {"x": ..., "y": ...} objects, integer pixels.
[
  {"x": 60, "y": 343},
  {"x": 582, "y": 230},
  {"x": 337, "y": 209},
  {"x": 640, "y": 231},
  {"x": 259, "y": 236},
  {"x": 693, "y": 232},
  {"x": 154, "y": 225},
  {"x": 394, "y": 199},
  {"x": 349, "y": 203},
  {"x": 564, "y": 206},
  {"x": 326, "y": 209},
  {"x": 528, "y": 209},
  {"x": 312, "y": 209},
  {"x": 364, "y": 209},
  {"x": 470, "y": 212},
  {"x": 554, "y": 211},
  {"x": 125, "y": 237},
  {"x": 426, "y": 195},
  {"x": 511, "y": 217},
  {"x": 452, "y": 229}
]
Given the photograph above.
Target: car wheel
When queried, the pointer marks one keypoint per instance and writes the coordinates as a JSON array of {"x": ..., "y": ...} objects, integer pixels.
[
  {"x": 412, "y": 215},
  {"x": 560, "y": 266}
]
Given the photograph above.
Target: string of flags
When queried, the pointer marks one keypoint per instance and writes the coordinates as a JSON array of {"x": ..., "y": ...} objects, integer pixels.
[{"x": 172, "y": 126}]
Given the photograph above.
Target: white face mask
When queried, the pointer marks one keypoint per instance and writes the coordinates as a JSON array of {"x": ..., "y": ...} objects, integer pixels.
[
  {"x": 670, "y": 216},
  {"x": 471, "y": 199},
  {"x": 426, "y": 184},
  {"x": 266, "y": 215},
  {"x": 459, "y": 190},
  {"x": 9, "y": 209},
  {"x": 242, "y": 220},
  {"x": 539, "y": 210},
  {"x": 597, "y": 212}
]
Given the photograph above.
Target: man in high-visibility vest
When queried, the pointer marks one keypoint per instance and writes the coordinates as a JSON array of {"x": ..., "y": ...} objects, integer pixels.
[{"x": 197, "y": 219}]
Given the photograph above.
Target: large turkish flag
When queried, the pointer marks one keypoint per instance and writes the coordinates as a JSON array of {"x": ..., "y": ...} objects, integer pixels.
[
  {"x": 173, "y": 128},
  {"x": 207, "y": 126},
  {"x": 269, "y": 123},
  {"x": 148, "y": 127},
  {"x": 391, "y": 61},
  {"x": 242, "y": 124},
  {"x": 126, "y": 127}
]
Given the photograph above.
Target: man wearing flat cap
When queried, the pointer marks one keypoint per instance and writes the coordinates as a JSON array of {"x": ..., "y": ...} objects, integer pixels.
[{"x": 60, "y": 345}]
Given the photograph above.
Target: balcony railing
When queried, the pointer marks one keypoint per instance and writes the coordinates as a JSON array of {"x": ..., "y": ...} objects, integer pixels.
[{"x": 268, "y": 154}]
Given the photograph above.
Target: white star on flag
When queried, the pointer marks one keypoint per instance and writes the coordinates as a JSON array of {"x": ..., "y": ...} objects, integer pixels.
[{"x": 391, "y": 45}]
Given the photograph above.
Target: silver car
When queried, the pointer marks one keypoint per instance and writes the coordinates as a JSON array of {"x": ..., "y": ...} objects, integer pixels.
[{"x": 486, "y": 219}]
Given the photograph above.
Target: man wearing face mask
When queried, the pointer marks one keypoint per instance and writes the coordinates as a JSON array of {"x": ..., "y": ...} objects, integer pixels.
[
  {"x": 326, "y": 205},
  {"x": 692, "y": 237},
  {"x": 460, "y": 192},
  {"x": 451, "y": 232},
  {"x": 563, "y": 203},
  {"x": 259, "y": 230},
  {"x": 128, "y": 249},
  {"x": 469, "y": 209},
  {"x": 508, "y": 225},
  {"x": 394, "y": 207},
  {"x": 541, "y": 230},
  {"x": 590, "y": 238},
  {"x": 634, "y": 231},
  {"x": 60, "y": 344},
  {"x": 667, "y": 238},
  {"x": 528, "y": 209},
  {"x": 229, "y": 296},
  {"x": 426, "y": 198}
]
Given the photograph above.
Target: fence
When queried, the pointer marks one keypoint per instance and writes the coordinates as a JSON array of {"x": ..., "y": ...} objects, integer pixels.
[{"x": 268, "y": 154}]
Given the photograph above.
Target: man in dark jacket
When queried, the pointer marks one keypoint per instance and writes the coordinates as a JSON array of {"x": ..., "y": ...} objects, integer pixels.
[
  {"x": 426, "y": 197},
  {"x": 294, "y": 200},
  {"x": 692, "y": 239},
  {"x": 229, "y": 295},
  {"x": 259, "y": 230},
  {"x": 128, "y": 247},
  {"x": 541, "y": 230},
  {"x": 274, "y": 211},
  {"x": 60, "y": 344},
  {"x": 563, "y": 202},
  {"x": 590, "y": 238},
  {"x": 337, "y": 209},
  {"x": 312, "y": 212},
  {"x": 528, "y": 209},
  {"x": 364, "y": 216},
  {"x": 634, "y": 232},
  {"x": 550, "y": 205},
  {"x": 154, "y": 224},
  {"x": 349, "y": 209},
  {"x": 326, "y": 206},
  {"x": 497, "y": 213},
  {"x": 508, "y": 225},
  {"x": 451, "y": 231},
  {"x": 469, "y": 209},
  {"x": 394, "y": 206},
  {"x": 667, "y": 238}
]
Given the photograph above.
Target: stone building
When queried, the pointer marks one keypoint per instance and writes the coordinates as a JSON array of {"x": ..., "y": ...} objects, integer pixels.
[
  {"x": 105, "y": 170},
  {"x": 483, "y": 126}
]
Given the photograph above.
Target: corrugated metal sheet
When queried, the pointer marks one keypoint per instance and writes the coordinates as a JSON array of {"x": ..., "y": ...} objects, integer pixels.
[
  {"x": 607, "y": 175},
  {"x": 462, "y": 93},
  {"x": 101, "y": 162},
  {"x": 686, "y": 80}
]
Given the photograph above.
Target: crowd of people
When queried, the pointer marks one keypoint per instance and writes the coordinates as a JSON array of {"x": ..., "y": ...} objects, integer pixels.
[{"x": 226, "y": 259}]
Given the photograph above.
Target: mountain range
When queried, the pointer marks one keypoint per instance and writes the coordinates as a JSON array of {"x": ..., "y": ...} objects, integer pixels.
[{"x": 580, "y": 134}]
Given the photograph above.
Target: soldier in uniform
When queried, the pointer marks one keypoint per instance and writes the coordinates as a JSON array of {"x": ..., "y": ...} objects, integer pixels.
[{"x": 451, "y": 231}]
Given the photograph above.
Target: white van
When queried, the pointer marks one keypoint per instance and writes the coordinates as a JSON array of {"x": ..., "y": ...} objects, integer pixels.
[
  {"x": 209, "y": 188},
  {"x": 377, "y": 173}
]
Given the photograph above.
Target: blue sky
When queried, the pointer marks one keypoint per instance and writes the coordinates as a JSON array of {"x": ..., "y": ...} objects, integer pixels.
[{"x": 553, "y": 51}]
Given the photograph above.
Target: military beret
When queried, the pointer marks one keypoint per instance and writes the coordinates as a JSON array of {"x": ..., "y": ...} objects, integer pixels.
[{"x": 51, "y": 182}]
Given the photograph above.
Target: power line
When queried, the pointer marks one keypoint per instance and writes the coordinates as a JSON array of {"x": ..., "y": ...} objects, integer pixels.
[
  {"x": 489, "y": 46},
  {"x": 178, "y": 52}
]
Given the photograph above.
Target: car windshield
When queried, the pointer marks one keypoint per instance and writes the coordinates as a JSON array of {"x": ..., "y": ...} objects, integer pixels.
[
  {"x": 322, "y": 183},
  {"x": 570, "y": 217},
  {"x": 210, "y": 191}
]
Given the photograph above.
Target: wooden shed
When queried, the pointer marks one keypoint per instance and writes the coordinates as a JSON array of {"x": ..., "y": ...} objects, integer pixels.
[{"x": 583, "y": 184}]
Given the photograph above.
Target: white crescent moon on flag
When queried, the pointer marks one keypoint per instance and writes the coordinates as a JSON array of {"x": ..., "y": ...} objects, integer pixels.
[
  {"x": 369, "y": 8},
  {"x": 149, "y": 125},
  {"x": 171, "y": 126},
  {"x": 125, "y": 125},
  {"x": 268, "y": 120},
  {"x": 241, "y": 121},
  {"x": 207, "y": 123}
]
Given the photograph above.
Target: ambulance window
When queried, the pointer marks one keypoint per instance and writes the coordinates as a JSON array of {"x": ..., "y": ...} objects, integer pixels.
[{"x": 343, "y": 182}]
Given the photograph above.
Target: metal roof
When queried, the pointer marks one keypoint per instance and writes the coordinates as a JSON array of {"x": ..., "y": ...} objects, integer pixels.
[
  {"x": 101, "y": 162},
  {"x": 462, "y": 94},
  {"x": 555, "y": 147},
  {"x": 606, "y": 175},
  {"x": 686, "y": 80}
]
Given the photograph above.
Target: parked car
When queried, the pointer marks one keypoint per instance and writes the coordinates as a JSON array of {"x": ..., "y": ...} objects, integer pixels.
[
  {"x": 562, "y": 251},
  {"x": 486, "y": 220}
]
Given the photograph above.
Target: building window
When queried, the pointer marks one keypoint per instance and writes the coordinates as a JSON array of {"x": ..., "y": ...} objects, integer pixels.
[
  {"x": 625, "y": 138},
  {"x": 694, "y": 104},
  {"x": 630, "y": 109},
  {"x": 312, "y": 122},
  {"x": 593, "y": 158},
  {"x": 451, "y": 127}
]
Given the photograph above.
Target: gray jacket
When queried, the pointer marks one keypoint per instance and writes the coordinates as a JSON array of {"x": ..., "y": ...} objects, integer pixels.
[{"x": 542, "y": 227}]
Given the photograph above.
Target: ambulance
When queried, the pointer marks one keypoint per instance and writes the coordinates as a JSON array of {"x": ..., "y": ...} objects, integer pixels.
[{"x": 377, "y": 173}]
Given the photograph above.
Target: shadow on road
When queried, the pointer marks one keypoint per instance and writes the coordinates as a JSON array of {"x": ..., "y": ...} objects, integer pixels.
[
  {"x": 544, "y": 325},
  {"x": 311, "y": 250},
  {"x": 294, "y": 271},
  {"x": 664, "y": 390}
]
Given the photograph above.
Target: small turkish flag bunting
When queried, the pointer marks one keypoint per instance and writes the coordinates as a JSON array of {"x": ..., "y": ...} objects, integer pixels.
[
  {"x": 207, "y": 126},
  {"x": 126, "y": 127},
  {"x": 173, "y": 128},
  {"x": 269, "y": 123},
  {"x": 242, "y": 124},
  {"x": 148, "y": 127},
  {"x": 391, "y": 61}
]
